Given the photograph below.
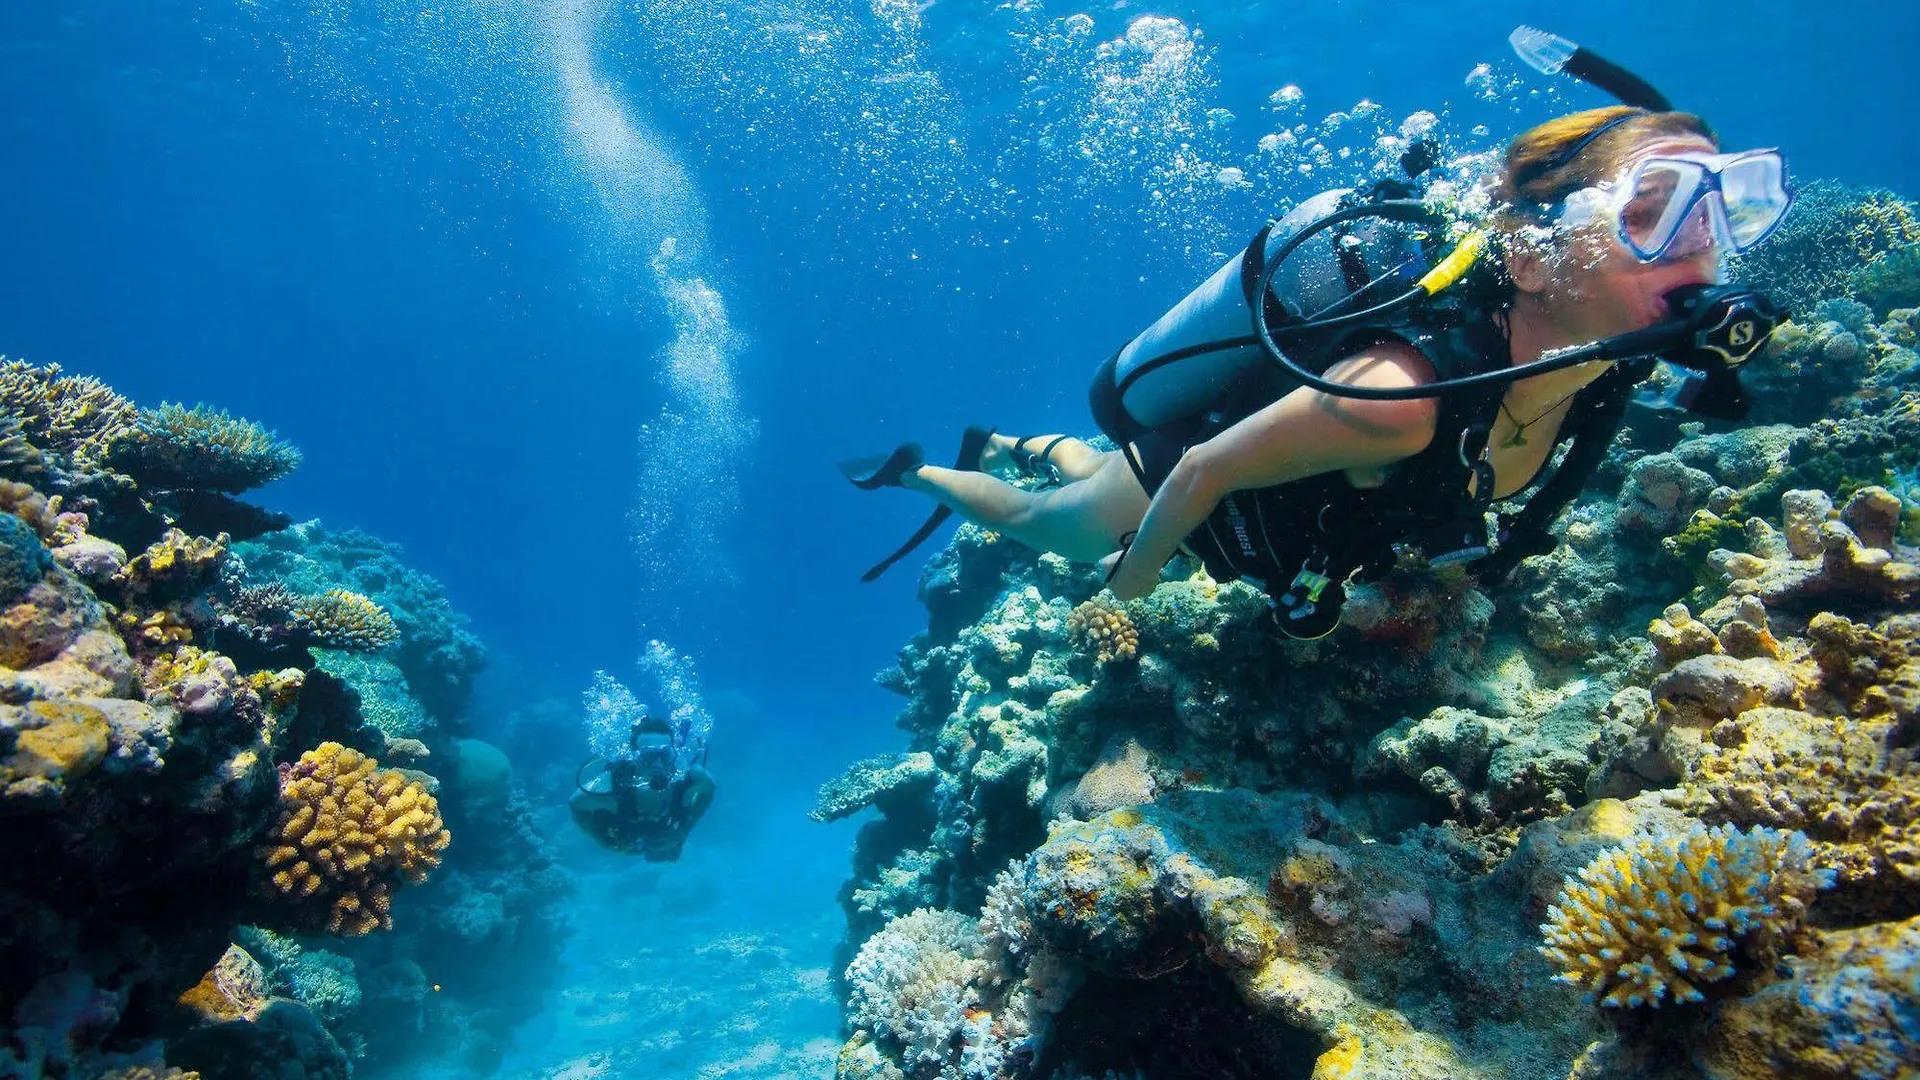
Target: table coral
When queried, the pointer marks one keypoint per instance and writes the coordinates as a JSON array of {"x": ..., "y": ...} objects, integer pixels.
[
  {"x": 204, "y": 448},
  {"x": 347, "y": 829},
  {"x": 1655, "y": 919}
]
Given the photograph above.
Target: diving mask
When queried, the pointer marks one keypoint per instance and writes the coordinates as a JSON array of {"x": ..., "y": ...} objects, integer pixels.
[{"x": 1671, "y": 205}]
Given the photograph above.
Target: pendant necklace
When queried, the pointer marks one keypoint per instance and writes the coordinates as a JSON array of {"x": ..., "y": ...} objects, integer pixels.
[{"x": 1519, "y": 436}]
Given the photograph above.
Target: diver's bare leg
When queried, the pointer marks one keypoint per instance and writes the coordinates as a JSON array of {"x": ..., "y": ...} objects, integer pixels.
[
  {"x": 1083, "y": 520},
  {"x": 1074, "y": 458}
]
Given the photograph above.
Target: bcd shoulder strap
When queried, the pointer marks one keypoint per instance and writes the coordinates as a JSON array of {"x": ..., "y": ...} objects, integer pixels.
[{"x": 1598, "y": 413}]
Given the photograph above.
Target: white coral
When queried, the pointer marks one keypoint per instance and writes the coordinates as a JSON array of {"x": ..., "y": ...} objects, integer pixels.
[{"x": 914, "y": 984}]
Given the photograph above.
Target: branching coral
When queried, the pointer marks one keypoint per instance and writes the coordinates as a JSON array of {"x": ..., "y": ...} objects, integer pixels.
[
  {"x": 336, "y": 619},
  {"x": 76, "y": 418},
  {"x": 916, "y": 983},
  {"x": 1660, "y": 917},
  {"x": 1108, "y": 627},
  {"x": 1833, "y": 231},
  {"x": 343, "y": 619},
  {"x": 203, "y": 448},
  {"x": 347, "y": 829}
]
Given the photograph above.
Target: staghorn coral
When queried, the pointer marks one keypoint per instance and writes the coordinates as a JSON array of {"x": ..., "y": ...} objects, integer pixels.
[
  {"x": 76, "y": 419},
  {"x": 202, "y": 448},
  {"x": 1107, "y": 626},
  {"x": 346, "y": 830},
  {"x": 17, "y": 456},
  {"x": 276, "y": 616},
  {"x": 1656, "y": 919}
]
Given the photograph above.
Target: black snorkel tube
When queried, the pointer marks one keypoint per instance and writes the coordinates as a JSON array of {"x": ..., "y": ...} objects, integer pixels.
[{"x": 1715, "y": 328}]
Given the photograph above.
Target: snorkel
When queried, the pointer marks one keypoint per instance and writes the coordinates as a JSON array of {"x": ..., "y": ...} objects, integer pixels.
[{"x": 1715, "y": 329}]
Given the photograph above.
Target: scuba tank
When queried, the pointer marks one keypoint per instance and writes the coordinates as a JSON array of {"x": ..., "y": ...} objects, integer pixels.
[{"x": 1332, "y": 253}]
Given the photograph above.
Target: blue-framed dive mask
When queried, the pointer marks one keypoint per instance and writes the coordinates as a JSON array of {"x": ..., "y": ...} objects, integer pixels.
[{"x": 1672, "y": 206}]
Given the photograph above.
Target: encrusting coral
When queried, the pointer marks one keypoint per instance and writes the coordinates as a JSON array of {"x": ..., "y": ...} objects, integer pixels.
[
  {"x": 175, "y": 565},
  {"x": 347, "y": 829},
  {"x": 1107, "y": 626},
  {"x": 1656, "y": 919},
  {"x": 202, "y": 448}
]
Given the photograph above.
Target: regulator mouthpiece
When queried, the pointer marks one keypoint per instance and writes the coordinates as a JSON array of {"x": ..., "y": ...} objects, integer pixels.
[
  {"x": 1718, "y": 328},
  {"x": 1722, "y": 326}
]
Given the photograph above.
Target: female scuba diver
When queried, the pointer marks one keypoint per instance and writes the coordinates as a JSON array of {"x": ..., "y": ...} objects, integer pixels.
[{"x": 1382, "y": 393}]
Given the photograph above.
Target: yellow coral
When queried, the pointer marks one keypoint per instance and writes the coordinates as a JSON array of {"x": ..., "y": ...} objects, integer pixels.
[
  {"x": 342, "y": 619},
  {"x": 1661, "y": 916},
  {"x": 1108, "y": 627},
  {"x": 347, "y": 828},
  {"x": 1837, "y": 775},
  {"x": 75, "y": 416},
  {"x": 175, "y": 563}
]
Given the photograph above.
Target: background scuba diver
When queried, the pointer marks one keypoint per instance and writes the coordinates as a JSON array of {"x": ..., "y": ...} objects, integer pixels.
[
  {"x": 640, "y": 802},
  {"x": 1381, "y": 435}
]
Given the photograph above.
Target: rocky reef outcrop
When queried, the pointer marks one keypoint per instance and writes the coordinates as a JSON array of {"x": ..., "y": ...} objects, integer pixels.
[
  {"x": 177, "y": 759},
  {"x": 1646, "y": 810}
]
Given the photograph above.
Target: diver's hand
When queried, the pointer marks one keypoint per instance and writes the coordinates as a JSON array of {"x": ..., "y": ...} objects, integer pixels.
[{"x": 1131, "y": 582}]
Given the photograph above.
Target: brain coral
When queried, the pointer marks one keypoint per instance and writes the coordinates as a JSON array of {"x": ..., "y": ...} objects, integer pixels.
[
  {"x": 1656, "y": 918},
  {"x": 346, "y": 830},
  {"x": 203, "y": 448}
]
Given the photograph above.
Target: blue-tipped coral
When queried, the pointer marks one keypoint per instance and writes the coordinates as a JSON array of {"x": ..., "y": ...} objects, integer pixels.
[
  {"x": 204, "y": 448},
  {"x": 1655, "y": 920}
]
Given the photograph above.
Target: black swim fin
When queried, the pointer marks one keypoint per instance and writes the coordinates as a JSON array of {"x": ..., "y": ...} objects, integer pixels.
[
  {"x": 972, "y": 444},
  {"x": 884, "y": 470}
]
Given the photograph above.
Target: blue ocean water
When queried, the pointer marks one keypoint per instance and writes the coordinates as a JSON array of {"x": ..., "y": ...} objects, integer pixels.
[{"x": 424, "y": 243}]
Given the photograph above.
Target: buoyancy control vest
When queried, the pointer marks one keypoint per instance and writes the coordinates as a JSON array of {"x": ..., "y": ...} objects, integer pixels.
[{"x": 1199, "y": 369}]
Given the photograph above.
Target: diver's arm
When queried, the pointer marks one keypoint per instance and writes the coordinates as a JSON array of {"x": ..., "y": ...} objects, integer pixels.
[{"x": 1305, "y": 433}]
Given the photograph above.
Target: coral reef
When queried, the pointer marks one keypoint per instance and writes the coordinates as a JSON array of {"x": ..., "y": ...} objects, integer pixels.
[
  {"x": 436, "y": 651},
  {"x": 143, "y": 737},
  {"x": 1684, "y": 745},
  {"x": 347, "y": 831},
  {"x": 202, "y": 448},
  {"x": 1657, "y": 919}
]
